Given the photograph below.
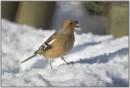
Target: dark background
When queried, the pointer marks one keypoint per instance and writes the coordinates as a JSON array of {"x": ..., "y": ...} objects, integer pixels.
[{"x": 100, "y": 17}]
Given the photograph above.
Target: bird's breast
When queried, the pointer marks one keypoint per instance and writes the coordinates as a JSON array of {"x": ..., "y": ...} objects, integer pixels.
[{"x": 61, "y": 46}]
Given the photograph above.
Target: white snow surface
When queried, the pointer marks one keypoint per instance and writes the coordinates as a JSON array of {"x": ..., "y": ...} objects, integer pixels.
[{"x": 97, "y": 60}]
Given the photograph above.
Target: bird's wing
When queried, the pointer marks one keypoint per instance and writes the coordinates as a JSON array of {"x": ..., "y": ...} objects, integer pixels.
[
  {"x": 50, "y": 39},
  {"x": 46, "y": 45}
]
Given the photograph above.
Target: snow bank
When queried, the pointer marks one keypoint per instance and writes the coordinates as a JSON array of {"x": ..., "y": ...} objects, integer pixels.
[{"x": 96, "y": 60}]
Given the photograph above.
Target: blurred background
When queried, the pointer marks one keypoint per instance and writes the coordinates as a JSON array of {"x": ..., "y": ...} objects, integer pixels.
[{"x": 96, "y": 17}]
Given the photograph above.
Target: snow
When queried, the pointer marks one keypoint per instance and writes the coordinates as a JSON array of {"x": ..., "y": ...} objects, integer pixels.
[{"x": 97, "y": 60}]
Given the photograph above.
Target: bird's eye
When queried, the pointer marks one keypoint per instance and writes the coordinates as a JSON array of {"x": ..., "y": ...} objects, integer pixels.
[{"x": 71, "y": 23}]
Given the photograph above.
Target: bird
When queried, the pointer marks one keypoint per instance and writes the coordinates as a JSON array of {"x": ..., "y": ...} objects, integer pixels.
[{"x": 58, "y": 44}]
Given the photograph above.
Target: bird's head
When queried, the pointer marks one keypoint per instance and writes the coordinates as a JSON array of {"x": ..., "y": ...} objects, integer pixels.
[{"x": 70, "y": 25}]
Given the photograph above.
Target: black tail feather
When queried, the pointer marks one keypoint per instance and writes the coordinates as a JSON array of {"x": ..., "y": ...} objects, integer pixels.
[{"x": 28, "y": 58}]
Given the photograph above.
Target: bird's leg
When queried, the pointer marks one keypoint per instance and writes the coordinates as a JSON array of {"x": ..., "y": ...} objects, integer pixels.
[
  {"x": 64, "y": 60},
  {"x": 50, "y": 64}
]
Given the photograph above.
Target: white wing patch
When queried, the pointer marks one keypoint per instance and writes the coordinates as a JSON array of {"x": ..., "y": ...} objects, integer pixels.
[
  {"x": 49, "y": 43},
  {"x": 45, "y": 46}
]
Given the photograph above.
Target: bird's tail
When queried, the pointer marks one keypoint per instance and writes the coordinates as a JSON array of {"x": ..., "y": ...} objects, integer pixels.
[
  {"x": 28, "y": 58},
  {"x": 39, "y": 51}
]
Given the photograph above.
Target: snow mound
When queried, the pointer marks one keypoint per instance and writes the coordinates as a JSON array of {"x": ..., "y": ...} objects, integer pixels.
[{"x": 97, "y": 60}]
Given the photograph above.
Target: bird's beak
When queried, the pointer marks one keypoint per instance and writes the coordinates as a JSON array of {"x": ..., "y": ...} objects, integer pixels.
[{"x": 77, "y": 27}]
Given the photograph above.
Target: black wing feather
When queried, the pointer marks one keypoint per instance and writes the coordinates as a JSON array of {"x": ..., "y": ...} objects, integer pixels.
[{"x": 45, "y": 46}]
